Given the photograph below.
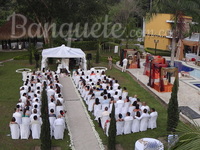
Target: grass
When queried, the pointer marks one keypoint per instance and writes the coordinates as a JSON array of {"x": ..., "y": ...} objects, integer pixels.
[
  {"x": 125, "y": 80},
  {"x": 127, "y": 141},
  {"x": 9, "y": 55},
  {"x": 9, "y": 89}
]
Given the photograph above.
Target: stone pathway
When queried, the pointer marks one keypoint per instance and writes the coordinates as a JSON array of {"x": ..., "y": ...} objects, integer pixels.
[{"x": 83, "y": 135}]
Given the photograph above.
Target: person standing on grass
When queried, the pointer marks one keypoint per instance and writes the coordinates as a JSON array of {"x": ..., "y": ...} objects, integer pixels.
[
  {"x": 125, "y": 62},
  {"x": 110, "y": 62}
]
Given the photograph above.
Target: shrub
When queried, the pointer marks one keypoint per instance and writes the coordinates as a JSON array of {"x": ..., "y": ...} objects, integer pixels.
[
  {"x": 158, "y": 51},
  {"x": 85, "y": 45}
]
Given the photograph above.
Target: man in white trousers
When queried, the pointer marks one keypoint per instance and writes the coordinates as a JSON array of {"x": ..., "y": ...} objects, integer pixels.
[{"x": 125, "y": 62}]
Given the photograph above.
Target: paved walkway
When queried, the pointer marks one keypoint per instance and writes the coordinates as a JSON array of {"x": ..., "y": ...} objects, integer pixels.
[
  {"x": 83, "y": 135},
  {"x": 187, "y": 95}
]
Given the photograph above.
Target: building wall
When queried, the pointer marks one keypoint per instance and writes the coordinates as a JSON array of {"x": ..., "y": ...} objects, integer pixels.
[{"x": 159, "y": 28}]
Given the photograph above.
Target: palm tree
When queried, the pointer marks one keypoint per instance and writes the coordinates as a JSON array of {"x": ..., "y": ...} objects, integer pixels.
[
  {"x": 189, "y": 138},
  {"x": 178, "y": 8}
]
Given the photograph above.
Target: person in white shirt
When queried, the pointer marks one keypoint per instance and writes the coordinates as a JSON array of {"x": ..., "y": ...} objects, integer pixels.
[
  {"x": 35, "y": 113},
  {"x": 21, "y": 104},
  {"x": 144, "y": 106},
  {"x": 24, "y": 98},
  {"x": 144, "y": 120},
  {"x": 111, "y": 91},
  {"x": 60, "y": 98},
  {"x": 153, "y": 117},
  {"x": 125, "y": 62},
  {"x": 50, "y": 92},
  {"x": 116, "y": 97},
  {"x": 22, "y": 90}
]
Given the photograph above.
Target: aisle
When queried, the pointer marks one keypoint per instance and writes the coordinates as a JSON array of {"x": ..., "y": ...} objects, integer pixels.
[{"x": 82, "y": 133}]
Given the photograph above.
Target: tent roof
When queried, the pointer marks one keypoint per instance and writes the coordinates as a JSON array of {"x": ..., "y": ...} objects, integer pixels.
[{"x": 63, "y": 52}]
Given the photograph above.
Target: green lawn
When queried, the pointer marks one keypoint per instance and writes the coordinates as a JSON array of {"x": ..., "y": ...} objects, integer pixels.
[
  {"x": 9, "y": 94},
  {"x": 11, "y": 81},
  {"x": 9, "y": 55}
]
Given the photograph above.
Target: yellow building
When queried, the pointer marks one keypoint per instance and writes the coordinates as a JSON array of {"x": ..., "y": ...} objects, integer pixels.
[{"x": 158, "y": 30}]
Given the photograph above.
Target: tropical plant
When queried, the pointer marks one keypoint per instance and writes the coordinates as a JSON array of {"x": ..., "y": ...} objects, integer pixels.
[{"x": 189, "y": 137}]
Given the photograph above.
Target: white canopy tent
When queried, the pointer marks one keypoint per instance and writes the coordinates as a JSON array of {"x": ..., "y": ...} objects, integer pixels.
[{"x": 65, "y": 53}]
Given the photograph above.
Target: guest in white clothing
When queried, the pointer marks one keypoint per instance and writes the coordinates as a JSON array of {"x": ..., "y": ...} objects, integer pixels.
[
  {"x": 136, "y": 123},
  {"x": 128, "y": 123},
  {"x": 125, "y": 62},
  {"x": 144, "y": 106},
  {"x": 144, "y": 119},
  {"x": 153, "y": 119}
]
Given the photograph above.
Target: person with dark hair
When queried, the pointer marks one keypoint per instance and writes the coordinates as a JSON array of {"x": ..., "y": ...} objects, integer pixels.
[
  {"x": 35, "y": 120},
  {"x": 137, "y": 108},
  {"x": 116, "y": 97},
  {"x": 13, "y": 121},
  {"x": 52, "y": 113},
  {"x": 153, "y": 118},
  {"x": 96, "y": 107},
  {"x": 144, "y": 120},
  {"x": 106, "y": 100},
  {"x": 136, "y": 123},
  {"x": 115, "y": 85}
]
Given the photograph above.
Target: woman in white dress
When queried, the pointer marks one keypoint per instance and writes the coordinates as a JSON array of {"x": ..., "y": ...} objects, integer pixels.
[
  {"x": 97, "y": 106},
  {"x": 132, "y": 107},
  {"x": 124, "y": 93},
  {"x": 91, "y": 102}
]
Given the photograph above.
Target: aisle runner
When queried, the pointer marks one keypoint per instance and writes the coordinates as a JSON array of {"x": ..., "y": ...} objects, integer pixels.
[{"x": 83, "y": 136}]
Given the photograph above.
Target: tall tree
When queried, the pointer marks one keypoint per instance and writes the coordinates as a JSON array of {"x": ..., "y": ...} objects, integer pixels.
[
  {"x": 6, "y": 9},
  {"x": 45, "y": 129},
  {"x": 129, "y": 13},
  {"x": 112, "y": 130},
  {"x": 178, "y": 9},
  {"x": 48, "y": 13},
  {"x": 172, "y": 110}
]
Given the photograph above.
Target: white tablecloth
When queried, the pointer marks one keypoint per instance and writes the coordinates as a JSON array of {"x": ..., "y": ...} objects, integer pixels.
[
  {"x": 189, "y": 56},
  {"x": 148, "y": 144}
]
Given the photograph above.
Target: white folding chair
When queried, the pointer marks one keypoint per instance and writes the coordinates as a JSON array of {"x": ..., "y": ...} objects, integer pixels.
[
  {"x": 36, "y": 130},
  {"x": 59, "y": 131},
  {"x": 14, "y": 129},
  {"x": 120, "y": 127},
  {"x": 136, "y": 125},
  {"x": 127, "y": 126},
  {"x": 24, "y": 131}
]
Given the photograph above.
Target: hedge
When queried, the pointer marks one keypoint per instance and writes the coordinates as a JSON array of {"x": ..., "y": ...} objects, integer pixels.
[
  {"x": 158, "y": 52},
  {"x": 85, "y": 45}
]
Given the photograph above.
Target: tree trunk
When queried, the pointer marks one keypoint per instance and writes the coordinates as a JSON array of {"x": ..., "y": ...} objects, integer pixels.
[{"x": 173, "y": 47}]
